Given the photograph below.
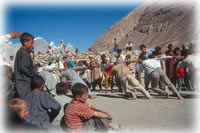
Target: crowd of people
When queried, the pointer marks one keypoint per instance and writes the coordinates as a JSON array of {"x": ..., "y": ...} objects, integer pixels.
[{"x": 37, "y": 96}]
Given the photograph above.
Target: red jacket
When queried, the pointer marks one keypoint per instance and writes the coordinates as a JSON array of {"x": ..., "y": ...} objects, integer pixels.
[{"x": 180, "y": 72}]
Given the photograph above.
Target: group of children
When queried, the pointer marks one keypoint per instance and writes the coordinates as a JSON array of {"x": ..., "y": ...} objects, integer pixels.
[
  {"x": 41, "y": 111},
  {"x": 30, "y": 107}
]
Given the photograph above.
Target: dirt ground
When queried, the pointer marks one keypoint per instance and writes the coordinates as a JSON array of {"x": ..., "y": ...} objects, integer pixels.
[{"x": 143, "y": 115}]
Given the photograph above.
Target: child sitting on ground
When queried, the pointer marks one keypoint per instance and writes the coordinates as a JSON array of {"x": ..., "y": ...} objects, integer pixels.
[
  {"x": 61, "y": 89},
  {"x": 18, "y": 114},
  {"x": 80, "y": 116},
  {"x": 39, "y": 104}
]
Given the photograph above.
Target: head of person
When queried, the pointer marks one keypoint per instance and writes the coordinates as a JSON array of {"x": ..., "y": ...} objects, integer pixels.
[
  {"x": 193, "y": 48},
  {"x": 114, "y": 61},
  {"x": 62, "y": 88},
  {"x": 102, "y": 56},
  {"x": 57, "y": 59},
  {"x": 49, "y": 47},
  {"x": 37, "y": 65},
  {"x": 11, "y": 58},
  {"x": 50, "y": 60},
  {"x": 75, "y": 63},
  {"x": 115, "y": 39},
  {"x": 158, "y": 50},
  {"x": 119, "y": 52},
  {"x": 177, "y": 51},
  {"x": 185, "y": 46},
  {"x": 129, "y": 42},
  {"x": 38, "y": 83},
  {"x": 20, "y": 107},
  {"x": 143, "y": 48},
  {"x": 80, "y": 92},
  {"x": 105, "y": 60},
  {"x": 85, "y": 63},
  {"x": 128, "y": 57},
  {"x": 81, "y": 63},
  {"x": 65, "y": 59},
  {"x": 61, "y": 41},
  {"x": 27, "y": 40},
  {"x": 91, "y": 57},
  {"x": 170, "y": 47}
]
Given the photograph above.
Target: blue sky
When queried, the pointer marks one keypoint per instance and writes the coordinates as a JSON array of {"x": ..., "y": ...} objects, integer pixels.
[{"x": 75, "y": 24}]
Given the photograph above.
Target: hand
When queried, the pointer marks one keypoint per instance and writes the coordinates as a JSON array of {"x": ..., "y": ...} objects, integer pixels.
[
  {"x": 139, "y": 60},
  {"x": 109, "y": 116},
  {"x": 14, "y": 34}
]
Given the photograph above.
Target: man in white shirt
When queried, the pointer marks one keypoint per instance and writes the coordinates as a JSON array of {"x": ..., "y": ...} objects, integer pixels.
[
  {"x": 145, "y": 54},
  {"x": 129, "y": 46},
  {"x": 153, "y": 69},
  {"x": 51, "y": 67}
]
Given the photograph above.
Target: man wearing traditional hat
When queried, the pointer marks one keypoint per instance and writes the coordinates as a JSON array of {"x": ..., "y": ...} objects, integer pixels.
[
  {"x": 51, "y": 67},
  {"x": 95, "y": 72}
]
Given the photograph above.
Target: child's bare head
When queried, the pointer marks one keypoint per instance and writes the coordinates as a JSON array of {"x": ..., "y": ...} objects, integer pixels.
[
  {"x": 37, "y": 82},
  {"x": 25, "y": 37},
  {"x": 20, "y": 107},
  {"x": 80, "y": 92},
  {"x": 62, "y": 88}
]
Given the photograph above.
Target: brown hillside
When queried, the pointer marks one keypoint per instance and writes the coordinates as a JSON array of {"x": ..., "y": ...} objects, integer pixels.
[{"x": 151, "y": 24}]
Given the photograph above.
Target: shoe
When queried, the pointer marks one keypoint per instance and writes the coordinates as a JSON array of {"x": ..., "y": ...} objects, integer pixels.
[
  {"x": 166, "y": 94},
  {"x": 133, "y": 95}
]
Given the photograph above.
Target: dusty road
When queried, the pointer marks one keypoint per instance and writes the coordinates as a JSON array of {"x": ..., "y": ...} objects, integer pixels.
[{"x": 158, "y": 114}]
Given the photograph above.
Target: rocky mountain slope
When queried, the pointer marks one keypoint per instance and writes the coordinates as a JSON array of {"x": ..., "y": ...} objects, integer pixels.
[{"x": 152, "y": 24}]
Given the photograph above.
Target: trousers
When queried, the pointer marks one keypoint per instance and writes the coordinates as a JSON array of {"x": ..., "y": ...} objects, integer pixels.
[
  {"x": 130, "y": 80},
  {"x": 157, "y": 75}
]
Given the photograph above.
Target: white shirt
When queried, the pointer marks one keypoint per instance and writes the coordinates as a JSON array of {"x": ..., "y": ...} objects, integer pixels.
[
  {"x": 61, "y": 66},
  {"x": 3, "y": 41},
  {"x": 150, "y": 65},
  {"x": 129, "y": 45},
  {"x": 5, "y": 38},
  {"x": 120, "y": 58},
  {"x": 50, "y": 67}
]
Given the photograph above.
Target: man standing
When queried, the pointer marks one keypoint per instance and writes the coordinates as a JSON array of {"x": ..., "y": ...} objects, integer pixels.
[
  {"x": 23, "y": 68},
  {"x": 145, "y": 54},
  {"x": 95, "y": 72},
  {"x": 129, "y": 46}
]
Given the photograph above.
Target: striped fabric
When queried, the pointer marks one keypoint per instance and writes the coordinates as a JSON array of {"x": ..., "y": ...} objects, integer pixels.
[{"x": 75, "y": 113}]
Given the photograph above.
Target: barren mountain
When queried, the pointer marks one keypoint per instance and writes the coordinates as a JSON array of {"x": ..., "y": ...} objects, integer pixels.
[{"x": 152, "y": 24}]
